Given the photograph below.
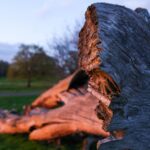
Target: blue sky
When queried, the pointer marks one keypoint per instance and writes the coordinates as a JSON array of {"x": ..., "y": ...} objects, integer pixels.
[{"x": 37, "y": 21}]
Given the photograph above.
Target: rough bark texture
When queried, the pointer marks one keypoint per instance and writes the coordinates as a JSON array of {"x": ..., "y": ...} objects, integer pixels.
[
  {"x": 116, "y": 40},
  {"x": 114, "y": 51}
]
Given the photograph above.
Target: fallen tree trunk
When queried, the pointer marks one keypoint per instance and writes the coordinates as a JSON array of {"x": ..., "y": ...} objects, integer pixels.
[
  {"x": 77, "y": 114},
  {"x": 113, "y": 57}
]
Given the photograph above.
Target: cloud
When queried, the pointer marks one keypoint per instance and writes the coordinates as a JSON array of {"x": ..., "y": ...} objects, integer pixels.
[
  {"x": 44, "y": 9},
  {"x": 50, "y": 5}
]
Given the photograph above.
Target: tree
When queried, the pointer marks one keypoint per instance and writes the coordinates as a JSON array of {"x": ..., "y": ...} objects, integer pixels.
[
  {"x": 65, "y": 49},
  {"x": 3, "y": 68},
  {"x": 31, "y": 62},
  {"x": 43, "y": 65}
]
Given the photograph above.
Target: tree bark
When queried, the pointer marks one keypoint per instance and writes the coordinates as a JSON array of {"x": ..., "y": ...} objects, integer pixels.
[{"x": 116, "y": 41}]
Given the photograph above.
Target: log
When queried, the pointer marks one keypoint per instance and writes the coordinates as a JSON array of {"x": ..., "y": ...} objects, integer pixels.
[
  {"x": 109, "y": 95},
  {"x": 75, "y": 116}
]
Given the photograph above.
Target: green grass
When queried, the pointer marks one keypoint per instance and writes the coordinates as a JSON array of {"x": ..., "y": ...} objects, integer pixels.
[
  {"x": 21, "y": 142},
  {"x": 15, "y": 102},
  {"x": 20, "y": 85}
]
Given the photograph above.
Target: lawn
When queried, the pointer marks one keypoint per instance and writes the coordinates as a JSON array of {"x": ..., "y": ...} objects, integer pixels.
[
  {"x": 15, "y": 102},
  {"x": 21, "y": 142},
  {"x": 20, "y": 85}
]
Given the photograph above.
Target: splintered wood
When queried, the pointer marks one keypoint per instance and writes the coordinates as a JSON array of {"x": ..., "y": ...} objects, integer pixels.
[{"x": 88, "y": 41}]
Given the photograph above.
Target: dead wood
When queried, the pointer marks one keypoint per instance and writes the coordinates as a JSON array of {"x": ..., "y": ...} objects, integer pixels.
[
  {"x": 112, "y": 69},
  {"x": 76, "y": 115}
]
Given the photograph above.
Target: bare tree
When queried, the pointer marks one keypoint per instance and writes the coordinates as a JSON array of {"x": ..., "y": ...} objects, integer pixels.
[
  {"x": 65, "y": 49},
  {"x": 32, "y": 62}
]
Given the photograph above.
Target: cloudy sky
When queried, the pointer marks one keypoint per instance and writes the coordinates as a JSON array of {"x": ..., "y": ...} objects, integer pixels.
[{"x": 36, "y": 21}]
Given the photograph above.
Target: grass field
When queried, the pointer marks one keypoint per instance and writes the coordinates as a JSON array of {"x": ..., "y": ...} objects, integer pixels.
[
  {"x": 21, "y": 142},
  {"x": 20, "y": 85},
  {"x": 15, "y": 102}
]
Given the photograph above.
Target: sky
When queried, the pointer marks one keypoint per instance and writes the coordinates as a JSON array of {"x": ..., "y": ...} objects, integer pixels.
[{"x": 38, "y": 21}]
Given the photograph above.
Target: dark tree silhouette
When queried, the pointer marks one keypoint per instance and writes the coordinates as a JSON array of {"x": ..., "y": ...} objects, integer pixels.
[{"x": 3, "y": 68}]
